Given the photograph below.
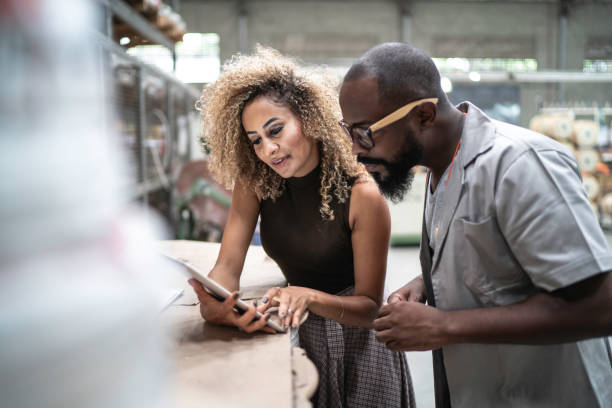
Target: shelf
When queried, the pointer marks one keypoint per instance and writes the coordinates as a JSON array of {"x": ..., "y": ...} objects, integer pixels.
[
  {"x": 116, "y": 49},
  {"x": 139, "y": 23},
  {"x": 153, "y": 110}
]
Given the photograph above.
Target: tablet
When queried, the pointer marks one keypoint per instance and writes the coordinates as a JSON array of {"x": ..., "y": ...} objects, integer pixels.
[{"x": 219, "y": 292}]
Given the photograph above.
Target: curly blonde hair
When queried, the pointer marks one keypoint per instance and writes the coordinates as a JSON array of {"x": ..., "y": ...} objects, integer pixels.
[{"x": 309, "y": 94}]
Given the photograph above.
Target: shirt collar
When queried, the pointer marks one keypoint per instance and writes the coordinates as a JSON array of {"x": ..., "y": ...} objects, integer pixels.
[{"x": 478, "y": 133}]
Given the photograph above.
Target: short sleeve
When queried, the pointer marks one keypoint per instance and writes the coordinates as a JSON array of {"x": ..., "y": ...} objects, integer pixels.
[{"x": 545, "y": 216}]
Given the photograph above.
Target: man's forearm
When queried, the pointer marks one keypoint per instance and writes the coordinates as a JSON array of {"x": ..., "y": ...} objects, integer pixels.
[{"x": 541, "y": 319}]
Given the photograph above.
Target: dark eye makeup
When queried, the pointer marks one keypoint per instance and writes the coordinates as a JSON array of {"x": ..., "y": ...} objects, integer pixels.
[
  {"x": 272, "y": 132},
  {"x": 276, "y": 130}
]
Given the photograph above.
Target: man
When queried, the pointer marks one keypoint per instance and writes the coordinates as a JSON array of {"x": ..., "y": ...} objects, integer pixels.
[{"x": 515, "y": 268}]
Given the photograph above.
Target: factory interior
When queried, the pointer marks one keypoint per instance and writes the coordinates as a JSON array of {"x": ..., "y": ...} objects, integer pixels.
[{"x": 112, "y": 200}]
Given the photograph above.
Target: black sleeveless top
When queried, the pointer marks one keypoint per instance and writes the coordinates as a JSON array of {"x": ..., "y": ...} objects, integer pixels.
[{"x": 311, "y": 251}]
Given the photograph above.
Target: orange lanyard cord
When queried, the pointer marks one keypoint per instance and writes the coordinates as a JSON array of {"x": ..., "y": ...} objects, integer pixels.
[
  {"x": 452, "y": 162},
  {"x": 450, "y": 170}
]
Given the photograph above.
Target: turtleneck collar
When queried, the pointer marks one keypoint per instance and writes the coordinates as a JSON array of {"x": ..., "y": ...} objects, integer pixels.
[{"x": 312, "y": 178}]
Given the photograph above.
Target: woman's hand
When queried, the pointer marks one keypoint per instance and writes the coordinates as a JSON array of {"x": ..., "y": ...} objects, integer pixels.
[
  {"x": 413, "y": 291},
  {"x": 223, "y": 313},
  {"x": 292, "y": 302}
]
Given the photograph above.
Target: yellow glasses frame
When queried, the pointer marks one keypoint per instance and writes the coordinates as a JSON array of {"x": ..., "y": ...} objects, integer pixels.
[{"x": 364, "y": 136}]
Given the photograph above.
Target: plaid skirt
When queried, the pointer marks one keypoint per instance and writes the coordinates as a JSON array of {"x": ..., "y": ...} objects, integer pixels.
[{"x": 354, "y": 369}]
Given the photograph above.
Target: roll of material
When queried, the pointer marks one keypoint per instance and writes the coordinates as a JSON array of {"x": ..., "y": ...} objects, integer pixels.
[
  {"x": 606, "y": 203},
  {"x": 559, "y": 127},
  {"x": 591, "y": 186},
  {"x": 585, "y": 133},
  {"x": 587, "y": 159}
]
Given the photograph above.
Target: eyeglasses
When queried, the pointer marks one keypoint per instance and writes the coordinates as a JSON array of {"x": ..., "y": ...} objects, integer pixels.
[{"x": 364, "y": 136}]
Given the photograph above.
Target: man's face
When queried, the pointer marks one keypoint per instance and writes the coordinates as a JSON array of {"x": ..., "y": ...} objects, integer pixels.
[{"x": 396, "y": 150}]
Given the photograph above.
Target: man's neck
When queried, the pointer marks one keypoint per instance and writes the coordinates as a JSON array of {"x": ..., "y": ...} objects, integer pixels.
[{"x": 442, "y": 154}]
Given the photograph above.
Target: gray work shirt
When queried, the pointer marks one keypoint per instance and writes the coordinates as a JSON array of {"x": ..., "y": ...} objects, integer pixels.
[
  {"x": 434, "y": 208},
  {"x": 516, "y": 221}
]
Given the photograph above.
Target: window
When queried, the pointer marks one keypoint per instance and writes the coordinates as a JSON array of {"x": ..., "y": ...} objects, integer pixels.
[
  {"x": 597, "y": 66},
  {"x": 197, "y": 57}
]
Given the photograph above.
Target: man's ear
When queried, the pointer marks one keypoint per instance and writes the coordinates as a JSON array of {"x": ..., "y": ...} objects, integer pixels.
[{"x": 427, "y": 114}]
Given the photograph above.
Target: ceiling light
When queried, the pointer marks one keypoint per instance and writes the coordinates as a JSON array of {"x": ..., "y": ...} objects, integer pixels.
[
  {"x": 447, "y": 85},
  {"x": 474, "y": 76}
]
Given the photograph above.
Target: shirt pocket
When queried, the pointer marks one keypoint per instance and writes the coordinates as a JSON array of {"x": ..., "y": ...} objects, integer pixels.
[{"x": 492, "y": 272}]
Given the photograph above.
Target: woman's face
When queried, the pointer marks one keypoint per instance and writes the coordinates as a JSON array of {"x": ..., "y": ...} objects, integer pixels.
[{"x": 277, "y": 138}]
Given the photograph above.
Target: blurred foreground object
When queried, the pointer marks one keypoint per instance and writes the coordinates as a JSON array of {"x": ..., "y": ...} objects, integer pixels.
[{"x": 78, "y": 318}]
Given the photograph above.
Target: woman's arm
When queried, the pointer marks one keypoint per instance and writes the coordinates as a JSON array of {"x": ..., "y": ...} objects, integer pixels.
[
  {"x": 370, "y": 230},
  {"x": 237, "y": 236},
  {"x": 370, "y": 224},
  {"x": 228, "y": 268}
]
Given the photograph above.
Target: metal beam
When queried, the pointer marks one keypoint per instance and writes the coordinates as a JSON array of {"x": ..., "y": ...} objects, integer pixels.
[
  {"x": 562, "y": 76},
  {"x": 530, "y": 77},
  {"x": 562, "y": 45},
  {"x": 243, "y": 28}
]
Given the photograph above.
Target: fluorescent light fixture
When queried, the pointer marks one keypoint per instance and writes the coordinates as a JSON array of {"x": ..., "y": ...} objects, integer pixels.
[
  {"x": 460, "y": 64},
  {"x": 447, "y": 85},
  {"x": 474, "y": 76}
]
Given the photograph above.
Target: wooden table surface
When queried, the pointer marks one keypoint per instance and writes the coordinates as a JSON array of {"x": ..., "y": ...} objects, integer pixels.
[{"x": 216, "y": 366}]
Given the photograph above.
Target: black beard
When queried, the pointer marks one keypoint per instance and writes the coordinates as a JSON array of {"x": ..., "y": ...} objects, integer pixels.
[{"x": 400, "y": 175}]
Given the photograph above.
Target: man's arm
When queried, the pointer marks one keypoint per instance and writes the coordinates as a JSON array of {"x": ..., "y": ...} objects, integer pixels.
[{"x": 582, "y": 310}]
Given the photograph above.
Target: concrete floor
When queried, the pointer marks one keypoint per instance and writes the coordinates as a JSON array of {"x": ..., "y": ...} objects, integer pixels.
[{"x": 402, "y": 266}]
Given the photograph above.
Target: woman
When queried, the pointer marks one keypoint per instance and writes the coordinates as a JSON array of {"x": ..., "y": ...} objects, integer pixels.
[{"x": 272, "y": 134}]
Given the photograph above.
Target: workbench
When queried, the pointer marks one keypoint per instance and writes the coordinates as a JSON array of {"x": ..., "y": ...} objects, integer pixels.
[{"x": 216, "y": 366}]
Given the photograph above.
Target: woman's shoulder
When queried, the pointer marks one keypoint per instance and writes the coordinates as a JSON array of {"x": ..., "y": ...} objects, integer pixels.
[
  {"x": 364, "y": 187},
  {"x": 367, "y": 198}
]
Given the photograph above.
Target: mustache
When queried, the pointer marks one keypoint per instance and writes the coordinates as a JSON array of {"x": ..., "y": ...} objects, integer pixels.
[{"x": 372, "y": 160}]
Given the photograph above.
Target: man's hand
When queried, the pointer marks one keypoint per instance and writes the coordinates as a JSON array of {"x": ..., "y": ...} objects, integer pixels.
[
  {"x": 411, "y": 326},
  {"x": 413, "y": 291}
]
